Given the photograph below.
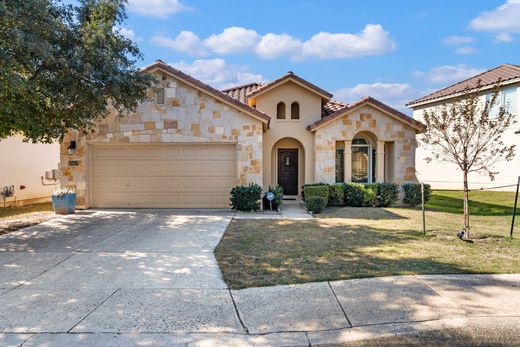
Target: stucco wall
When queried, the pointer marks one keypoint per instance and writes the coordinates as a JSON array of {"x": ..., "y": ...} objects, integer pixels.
[
  {"x": 442, "y": 175},
  {"x": 188, "y": 116},
  {"x": 24, "y": 163},
  {"x": 310, "y": 111},
  {"x": 382, "y": 127}
]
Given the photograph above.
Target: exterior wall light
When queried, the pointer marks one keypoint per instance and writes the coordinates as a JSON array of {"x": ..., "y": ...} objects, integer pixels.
[{"x": 72, "y": 147}]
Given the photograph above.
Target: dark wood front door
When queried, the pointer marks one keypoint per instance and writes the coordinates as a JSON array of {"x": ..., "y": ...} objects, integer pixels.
[{"x": 288, "y": 171}]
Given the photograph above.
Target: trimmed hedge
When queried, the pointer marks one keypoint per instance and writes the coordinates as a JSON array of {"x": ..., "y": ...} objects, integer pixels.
[
  {"x": 311, "y": 185},
  {"x": 387, "y": 194},
  {"x": 315, "y": 204},
  {"x": 336, "y": 195},
  {"x": 278, "y": 196},
  {"x": 412, "y": 193},
  {"x": 354, "y": 193},
  {"x": 246, "y": 198},
  {"x": 318, "y": 190}
]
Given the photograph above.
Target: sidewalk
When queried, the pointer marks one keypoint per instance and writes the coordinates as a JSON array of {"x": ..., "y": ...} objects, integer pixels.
[{"x": 400, "y": 310}]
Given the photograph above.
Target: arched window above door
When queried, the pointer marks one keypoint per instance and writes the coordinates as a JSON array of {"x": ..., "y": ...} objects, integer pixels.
[
  {"x": 295, "y": 110},
  {"x": 280, "y": 110}
]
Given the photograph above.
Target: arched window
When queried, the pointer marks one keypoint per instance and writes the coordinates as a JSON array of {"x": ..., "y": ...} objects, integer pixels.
[
  {"x": 280, "y": 110},
  {"x": 295, "y": 110},
  {"x": 363, "y": 168}
]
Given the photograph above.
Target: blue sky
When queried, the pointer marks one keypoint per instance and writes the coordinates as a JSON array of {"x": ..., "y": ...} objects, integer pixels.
[{"x": 392, "y": 50}]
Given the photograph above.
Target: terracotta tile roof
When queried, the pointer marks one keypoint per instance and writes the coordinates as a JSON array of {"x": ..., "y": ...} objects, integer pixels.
[
  {"x": 331, "y": 107},
  {"x": 502, "y": 73},
  {"x": 240, "y": 92},
  {"x": 368, "y": 100},
  {"x": 288, "y": 76},
  {"x": 159, "y": 64}
]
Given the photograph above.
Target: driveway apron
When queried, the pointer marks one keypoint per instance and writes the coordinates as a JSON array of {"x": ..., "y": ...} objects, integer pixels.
[{"x": 125, "y": 271}]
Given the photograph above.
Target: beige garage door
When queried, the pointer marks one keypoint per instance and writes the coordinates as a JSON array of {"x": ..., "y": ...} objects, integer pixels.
[{"x": 182, "y": 176}]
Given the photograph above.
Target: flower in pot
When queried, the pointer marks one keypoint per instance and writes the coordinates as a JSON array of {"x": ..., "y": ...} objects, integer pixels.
[{"x": 64, "y": 200}]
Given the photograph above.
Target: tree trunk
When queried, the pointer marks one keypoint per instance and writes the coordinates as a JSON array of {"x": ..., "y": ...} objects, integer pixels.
[{"x": 466, "y": 206}]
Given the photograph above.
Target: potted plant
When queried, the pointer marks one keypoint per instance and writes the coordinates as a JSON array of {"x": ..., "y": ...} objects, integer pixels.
[{"x": 64, "y": 200}]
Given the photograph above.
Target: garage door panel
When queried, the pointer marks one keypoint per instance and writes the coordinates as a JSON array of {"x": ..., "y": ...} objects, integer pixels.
[{"x": 163, "y": 176}]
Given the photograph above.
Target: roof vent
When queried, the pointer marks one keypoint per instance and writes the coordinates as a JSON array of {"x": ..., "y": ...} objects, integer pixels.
[{"x": 290, "y": 73}]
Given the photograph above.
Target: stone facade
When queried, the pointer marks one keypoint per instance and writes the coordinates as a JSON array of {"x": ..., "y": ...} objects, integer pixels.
[
  {"x": 188, "y": 115},
  {"x": 381, "y": 128}
]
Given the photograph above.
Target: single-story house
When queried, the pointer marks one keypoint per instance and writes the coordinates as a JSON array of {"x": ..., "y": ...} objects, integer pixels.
[
  {"x": 189, "y": 144},
  {"x": 442, "y": 175}
]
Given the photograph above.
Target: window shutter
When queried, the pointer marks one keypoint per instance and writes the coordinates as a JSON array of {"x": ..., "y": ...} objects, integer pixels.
[
  {"x": 374, "y": 161},
  {"x": 340, "y": 165}
]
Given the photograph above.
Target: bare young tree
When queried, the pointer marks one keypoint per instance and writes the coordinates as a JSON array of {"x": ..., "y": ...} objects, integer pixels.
[{"x": 466, "y": 132}]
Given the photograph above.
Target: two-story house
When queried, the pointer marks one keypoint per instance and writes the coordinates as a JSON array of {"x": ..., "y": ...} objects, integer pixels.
[
  {"x": 443, "y": 175},
  {"x": 189, "y": 144}
]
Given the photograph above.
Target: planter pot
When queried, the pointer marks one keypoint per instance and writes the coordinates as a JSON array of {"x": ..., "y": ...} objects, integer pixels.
[{"x": 65, "y": 204}]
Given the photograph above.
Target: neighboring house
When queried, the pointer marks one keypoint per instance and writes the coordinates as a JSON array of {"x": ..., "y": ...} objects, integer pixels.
[
  {"x": 189, "y": 144},
  {"x": 443, "y": 175},
  {"x": 23, "y": 164}
]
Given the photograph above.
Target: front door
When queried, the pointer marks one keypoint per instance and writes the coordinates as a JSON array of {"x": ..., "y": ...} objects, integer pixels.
[{"x": 288, "y": 171}]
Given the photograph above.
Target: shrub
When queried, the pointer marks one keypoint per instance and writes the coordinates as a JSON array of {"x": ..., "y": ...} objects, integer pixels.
[
  {"x": 316, "y": 203},
  {"x": 387, "y": 194},
  {"x": 412, "y": 193},
  {"x": 246, "y": 198},
  {"x": 336, "y": 195},
  {"x": 278, "y": 196},
  {"x": 311, "y": 185},
  {"x": 318, "y": 190},
  {"x": 370, "y": 194},
  {"x": 353, "y": 194}
]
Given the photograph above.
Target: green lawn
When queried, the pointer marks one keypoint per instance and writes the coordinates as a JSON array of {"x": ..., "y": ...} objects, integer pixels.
[
  {"x": 345, "y": 243},
  {"x": 7, "y": 212},
  {"x": 481, "y": 203}
]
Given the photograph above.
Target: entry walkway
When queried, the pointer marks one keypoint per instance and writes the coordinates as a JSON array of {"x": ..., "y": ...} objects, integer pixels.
[{"x": 291, "y": 209}]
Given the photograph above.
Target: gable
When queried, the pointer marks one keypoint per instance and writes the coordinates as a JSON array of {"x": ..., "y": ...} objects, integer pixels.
[
  {"x": 161, "y": 67},
  {"x": 384, "y": 109}
]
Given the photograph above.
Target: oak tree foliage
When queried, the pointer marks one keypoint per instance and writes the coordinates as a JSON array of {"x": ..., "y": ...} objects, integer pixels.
[{"x": 62, "y": 65}]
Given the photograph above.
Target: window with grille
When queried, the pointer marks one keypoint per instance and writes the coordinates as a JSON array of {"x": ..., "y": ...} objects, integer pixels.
[
  {"x": 295, "y": 110},
  {"x": 159, "y": 94},
  {"x": 340, "y": 165}
]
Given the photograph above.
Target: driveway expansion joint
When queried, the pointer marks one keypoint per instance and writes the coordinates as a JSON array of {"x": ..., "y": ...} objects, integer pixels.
[
  {"x": 238, "y": 313},
  {"x": 339, "y": 303},
  {"x": 95, "y": 308}
]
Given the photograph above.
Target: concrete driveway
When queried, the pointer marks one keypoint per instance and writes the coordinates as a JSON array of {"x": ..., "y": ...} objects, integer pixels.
[{"x": 149, "y": 277}]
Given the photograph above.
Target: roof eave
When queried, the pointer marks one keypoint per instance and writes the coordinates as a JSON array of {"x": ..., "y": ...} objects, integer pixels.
[{"x": 413, "y": 104}]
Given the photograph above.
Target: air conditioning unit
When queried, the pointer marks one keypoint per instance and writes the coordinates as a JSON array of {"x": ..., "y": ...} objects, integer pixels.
[{"x": 52, "y": 175}]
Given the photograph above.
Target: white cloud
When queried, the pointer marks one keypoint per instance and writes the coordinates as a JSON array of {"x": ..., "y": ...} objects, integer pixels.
[
  {"x": 504, "y": 37},
  {"x": 448, "y": 73},
  {"x": 505, "y": 18},
  {"x": 217, "y": 73},
  {"x": 392, "y": 94},
  {"x": 372, "y": 40},
  {"x": 156, "y": 8},
  {"x": 465, "y": 50},
  {"x": 274, "y": 45},
  {"x": 128, "y": 33},
  {"x": 186, "y": 41},
  {"x": 457, "y": 40},
  {"x": 233, "y": 40}
]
